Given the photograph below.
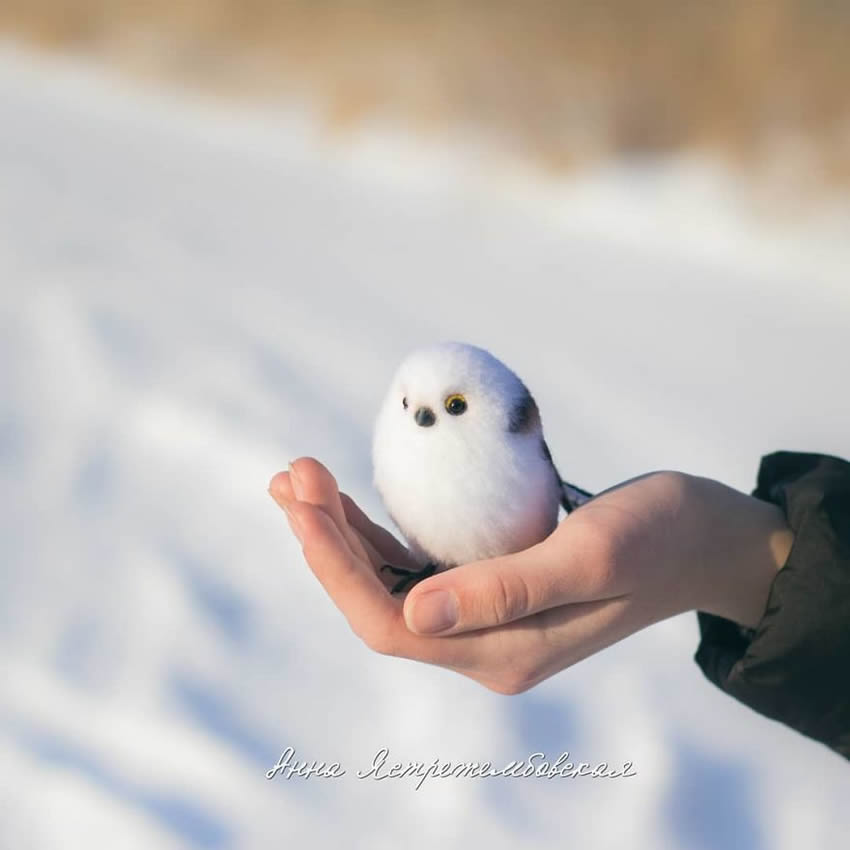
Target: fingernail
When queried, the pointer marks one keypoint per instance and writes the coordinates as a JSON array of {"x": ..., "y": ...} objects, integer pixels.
[
  {"x": 293, "y": 521},
  {"x": 433, "y": 612},
  {"x": 296, "y": 481}
]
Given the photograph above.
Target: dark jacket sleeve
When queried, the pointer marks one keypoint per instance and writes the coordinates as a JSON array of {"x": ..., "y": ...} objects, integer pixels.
[{"x": 795, "y": 665}]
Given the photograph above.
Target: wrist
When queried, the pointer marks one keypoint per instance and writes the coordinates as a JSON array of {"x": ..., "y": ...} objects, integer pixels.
[{"x": 745, "y": 542}]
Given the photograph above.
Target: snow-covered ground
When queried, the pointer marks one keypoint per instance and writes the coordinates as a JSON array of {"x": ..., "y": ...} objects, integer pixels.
[{"x": 194, "y": 294}]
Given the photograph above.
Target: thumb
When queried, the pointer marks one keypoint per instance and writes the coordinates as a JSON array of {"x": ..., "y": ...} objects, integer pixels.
[{"x": 561, "y": 569}]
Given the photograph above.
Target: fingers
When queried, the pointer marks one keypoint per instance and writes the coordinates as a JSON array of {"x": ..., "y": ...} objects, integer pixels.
[
  {"x": 350, "y": 582},
  {"x": 373, "y": 614},
  {"x": 310, "y": 481},
  {"x": 280, "y": 488},
  {"x": 354, "y": 587},
  {"x": 571, "y": 565},
  {"x": 340, "y": 548},
  {"x": 515, "y": 652},
  {"x": 389, "y": 548}
]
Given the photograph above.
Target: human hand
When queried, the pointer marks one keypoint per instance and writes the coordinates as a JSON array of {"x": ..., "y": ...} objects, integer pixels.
[{"x": 648, "y": 549}]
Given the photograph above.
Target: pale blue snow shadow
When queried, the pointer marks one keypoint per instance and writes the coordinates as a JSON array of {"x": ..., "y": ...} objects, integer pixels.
[
  {"x": 541, "y": 725},
  {"x": 78, "y": 650},
  {"x": 214, "y": 713},
  {"x": 93, "y": 485},
  {"x": 545, "y": 725},
  {"x": 230, "y": 612},
  {"x": 711, "y": 804},
  {"x": 124, "y": 341},
  {"x": 181, "y": 815}
]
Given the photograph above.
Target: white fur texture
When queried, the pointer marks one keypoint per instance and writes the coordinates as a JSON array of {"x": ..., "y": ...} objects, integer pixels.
[{"x": 465, "y": 488}]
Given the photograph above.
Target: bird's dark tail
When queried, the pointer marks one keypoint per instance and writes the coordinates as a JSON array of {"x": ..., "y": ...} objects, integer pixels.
[{"x": 572, "y": 497}]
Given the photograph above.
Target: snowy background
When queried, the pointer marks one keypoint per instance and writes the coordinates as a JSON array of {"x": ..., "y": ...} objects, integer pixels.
[{"x": 193, "y": 294}]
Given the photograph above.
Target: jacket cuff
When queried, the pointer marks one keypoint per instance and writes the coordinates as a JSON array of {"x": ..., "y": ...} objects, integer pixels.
[{"x": 794, "y": 666}]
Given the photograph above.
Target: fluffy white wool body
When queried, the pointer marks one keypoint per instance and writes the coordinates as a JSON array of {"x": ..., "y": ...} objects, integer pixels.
[{"x": 469, "y": 486}]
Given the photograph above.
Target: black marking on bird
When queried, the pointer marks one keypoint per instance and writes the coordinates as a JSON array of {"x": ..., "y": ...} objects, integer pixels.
[{"x": 524, "y": 415}]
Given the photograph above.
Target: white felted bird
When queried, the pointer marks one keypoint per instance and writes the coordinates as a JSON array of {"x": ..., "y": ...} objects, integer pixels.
[{"x": 461, "y": 463}]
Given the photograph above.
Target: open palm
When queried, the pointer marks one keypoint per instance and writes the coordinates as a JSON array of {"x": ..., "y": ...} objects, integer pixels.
[{"x": 636, "y": 554}]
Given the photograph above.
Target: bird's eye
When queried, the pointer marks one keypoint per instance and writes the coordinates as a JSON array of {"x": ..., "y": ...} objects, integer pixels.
[
  {"x": 404, "y": 402},
  {"x": 456, "y": 404}
]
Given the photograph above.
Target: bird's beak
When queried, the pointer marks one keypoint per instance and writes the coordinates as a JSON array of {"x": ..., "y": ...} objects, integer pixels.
[{"x": 425, "y": 417}]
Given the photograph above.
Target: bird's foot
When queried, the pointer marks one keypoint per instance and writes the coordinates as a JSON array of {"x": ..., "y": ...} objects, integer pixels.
[{"x": 410, "y": 577}]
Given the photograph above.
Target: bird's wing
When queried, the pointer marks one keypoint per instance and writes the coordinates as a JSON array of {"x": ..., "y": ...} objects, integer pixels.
[{"x": 572, "y": 497}]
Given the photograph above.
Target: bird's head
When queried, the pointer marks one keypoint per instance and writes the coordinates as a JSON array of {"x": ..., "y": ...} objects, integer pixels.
[{"x": 460, "y": 392}]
